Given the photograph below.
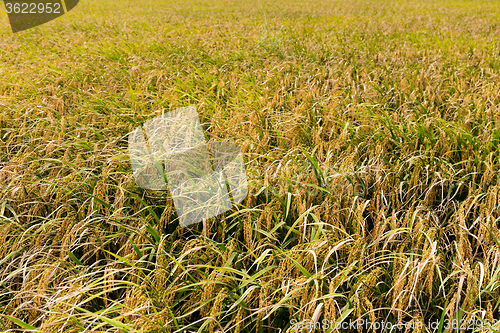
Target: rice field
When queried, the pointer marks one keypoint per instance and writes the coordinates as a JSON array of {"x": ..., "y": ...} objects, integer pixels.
[{"x": 370, "y": 132}]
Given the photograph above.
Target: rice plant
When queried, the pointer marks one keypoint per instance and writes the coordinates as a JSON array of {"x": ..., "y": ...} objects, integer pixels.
[{"x": 370, "y": 136}]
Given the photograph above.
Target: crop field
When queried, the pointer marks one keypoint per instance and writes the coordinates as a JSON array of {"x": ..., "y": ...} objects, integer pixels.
[{"x": 370, "y": 132}]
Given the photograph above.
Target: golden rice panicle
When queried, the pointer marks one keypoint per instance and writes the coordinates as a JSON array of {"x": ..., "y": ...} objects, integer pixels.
[
  {"x": 217, "y": 309},
  {"x": 166, "y": 214},
  {"x": 400, "y": 278},
  {"x": 450, "y": 309},
  {"x": 489, "y": 312},
  {"x": 463, "y": 245},
  {"x": 369, "y": 309},
  {"x": 472, "y": 291},
  {"x": 238, "y": 319},
  {"x": 358, "y": 309},
  {"x": 331, "y": 306},
  {"x": 209, "y": 291},
  {"x": 248, "y": 232}
]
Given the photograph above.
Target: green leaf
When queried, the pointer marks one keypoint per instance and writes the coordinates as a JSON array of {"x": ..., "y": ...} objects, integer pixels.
[
  {"x": 136, "y": 249},
  {"x": 23, "y": 324},
  {"x": 75, "y": 259}
]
